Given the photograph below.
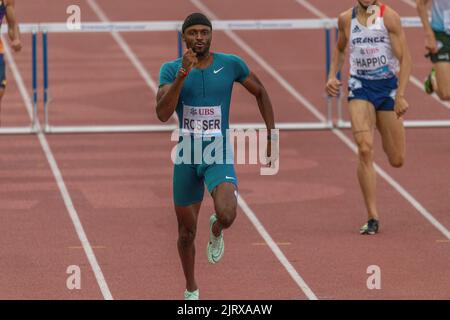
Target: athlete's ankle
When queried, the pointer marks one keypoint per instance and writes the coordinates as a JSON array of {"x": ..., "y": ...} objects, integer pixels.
[{"x": 191, "y": 287}]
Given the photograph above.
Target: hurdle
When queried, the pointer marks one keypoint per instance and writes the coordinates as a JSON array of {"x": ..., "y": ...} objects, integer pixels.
[{"x": 33, "y": 29}]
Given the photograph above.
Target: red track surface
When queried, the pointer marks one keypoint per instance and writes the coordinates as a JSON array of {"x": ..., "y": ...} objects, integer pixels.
[{"x": 120, "y": 184}]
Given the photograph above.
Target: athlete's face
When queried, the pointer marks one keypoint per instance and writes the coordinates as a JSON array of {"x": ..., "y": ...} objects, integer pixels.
[
  {"x": 198, "y": 38},
  {"x": 366, "y": 3}
]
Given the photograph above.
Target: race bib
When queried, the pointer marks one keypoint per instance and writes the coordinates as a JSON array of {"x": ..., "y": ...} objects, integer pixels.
[
  {"x": 447, "y": 21},
  {"x": 202, "y": 121}
]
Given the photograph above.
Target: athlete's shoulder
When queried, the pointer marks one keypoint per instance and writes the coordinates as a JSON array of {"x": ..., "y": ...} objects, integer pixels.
[
  {"x": 391, "y": 18},
  {"x": 345, "y": 16},
  {"x": 172, "y": 63},
  {"x": 241, "y": 70},
  {"x": 228, "y": 57},
  {"x": 344, "y": 19},
  {"x": 168, "y": 71},
  {"x": 389, "y": 12}
]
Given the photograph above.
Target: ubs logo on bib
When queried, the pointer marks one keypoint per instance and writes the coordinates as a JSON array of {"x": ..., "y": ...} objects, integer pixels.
[{"x": 202, "y": 120}]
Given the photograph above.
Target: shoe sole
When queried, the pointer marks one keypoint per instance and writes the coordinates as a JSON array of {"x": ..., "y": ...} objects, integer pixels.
[
  {"x": 210, "y": 257},
  {"x": 370, "y": 233}
]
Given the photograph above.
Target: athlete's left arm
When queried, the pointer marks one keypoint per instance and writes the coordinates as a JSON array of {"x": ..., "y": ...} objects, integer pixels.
[
  {"x": 401, "y": 51},
  {"x": 13, "y": 26},
  {"x": 256, "y": 88}
]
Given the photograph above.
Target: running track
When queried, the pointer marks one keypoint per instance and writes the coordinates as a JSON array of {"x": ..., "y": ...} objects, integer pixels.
[{"x": 120, "y": 184}]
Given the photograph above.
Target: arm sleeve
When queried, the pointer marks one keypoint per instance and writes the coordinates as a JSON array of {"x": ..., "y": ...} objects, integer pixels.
[
  {"x": 241, "y": 69},
  {"x": 167, "y": 74}
]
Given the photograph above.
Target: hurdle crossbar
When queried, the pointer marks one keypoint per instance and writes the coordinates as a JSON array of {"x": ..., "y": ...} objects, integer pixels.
[{"x": 148, "y": 26}]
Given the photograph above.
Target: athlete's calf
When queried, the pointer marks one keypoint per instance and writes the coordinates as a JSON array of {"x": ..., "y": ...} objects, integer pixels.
[{"x": 225, "y": 204}]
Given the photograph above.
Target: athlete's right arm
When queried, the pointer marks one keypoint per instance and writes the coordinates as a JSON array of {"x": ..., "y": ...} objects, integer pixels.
[
  {"x": 13, "y": 26},
  {"x": 168, "y": 95},
  {"x": 337, "y": 61},
  {"x": 430, "y": 39},
  {"x": 167, "y": 98}
]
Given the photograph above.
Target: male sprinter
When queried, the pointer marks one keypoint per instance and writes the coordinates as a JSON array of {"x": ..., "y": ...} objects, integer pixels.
[
  {"x": 437, "y": 43},
  {"x": 376, "y": 96},
  {"x": 7, "y": 10},
  {"x": 198, "y": 87}
]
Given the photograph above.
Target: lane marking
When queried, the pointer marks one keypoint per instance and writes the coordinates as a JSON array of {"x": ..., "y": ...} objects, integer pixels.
[
  {"x": 276, "y": 249},
  {"x": 410, "y": 2},
  {"x": 277, "y": 243},
  {"x": 269, "y": 69},
  {"x": 248, "y": 212},
  {"x": 416, "y": 204},
  {"x": 59, "y": 179},
  {"x": 128, "y": 52},
  {"x": 419, "y": 84},
  {"x": 93, "y": 247},
  {"x": 416, "y": 81},
  {"x": 125, "y": 47}
]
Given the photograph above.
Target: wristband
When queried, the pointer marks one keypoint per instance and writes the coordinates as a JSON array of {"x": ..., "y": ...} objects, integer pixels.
[{"x": 183, "y": 72}]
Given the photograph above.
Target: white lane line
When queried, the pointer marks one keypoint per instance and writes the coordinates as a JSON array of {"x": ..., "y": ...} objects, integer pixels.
[
  {"x": 312, "y": 9},
  {"x": 411, "y": 3},
  {"x": 416, "y": 204},
  {"x": 248, "y": 212},
  {"x": 59, "y": 179},
  {"x": 269, "y": 69},
  {"x": 276, "y": 249},
  {"x": 125, "y": 47},
  {"x": 128, "y": 52},
  {"x": 419, "y": 84}
]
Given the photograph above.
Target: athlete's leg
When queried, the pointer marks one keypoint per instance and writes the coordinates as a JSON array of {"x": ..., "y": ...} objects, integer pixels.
[
  {"x": 442, "y": 81},
  {"x": 2, "y": 93},
  {"x": 393, "y": 136},
  {"x": 363, "y": 118},
  {"x": 221, "y": 181},
  {"x": 187, "y": 217},
  {"x": 188, "y": 189},
  {"x": 2, "y": 81},
  {"x": 222, "y": 184},
  {"x": 225, "y": 204}
]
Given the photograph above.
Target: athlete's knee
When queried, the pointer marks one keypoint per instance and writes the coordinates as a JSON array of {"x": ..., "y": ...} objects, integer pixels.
[
  {"x": 444, "y": 94},
  {"x": 397, "y": 161},
  {"x": 226, "y": 213},
  {"x": 186, "y": 236},
  {"x": 365, "y": 150}
]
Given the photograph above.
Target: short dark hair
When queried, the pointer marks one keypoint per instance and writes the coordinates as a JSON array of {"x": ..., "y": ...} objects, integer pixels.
[{"x": 196, "y": 18}]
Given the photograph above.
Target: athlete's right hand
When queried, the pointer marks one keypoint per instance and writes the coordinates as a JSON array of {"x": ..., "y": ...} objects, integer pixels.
[
  {"x": 430, "y": 43},
  {"x": 189, "y": 59},
  {"x": 16, "y": 45},
  {"x": 333, "y": 87}
]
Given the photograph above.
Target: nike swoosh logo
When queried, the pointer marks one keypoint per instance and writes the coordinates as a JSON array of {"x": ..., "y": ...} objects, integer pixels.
[
  {"x": 232, "y": 178},
  {"x": 217, "y": 71}
]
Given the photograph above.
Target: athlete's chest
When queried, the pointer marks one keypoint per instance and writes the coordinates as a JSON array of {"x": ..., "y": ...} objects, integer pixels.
[
  {"x": 215, "y": 81},
  {"x": 368, "y": 36}
]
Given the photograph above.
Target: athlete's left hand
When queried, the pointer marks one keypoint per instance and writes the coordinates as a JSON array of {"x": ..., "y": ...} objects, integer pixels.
[
  {"x": 269, "y": 152},
  {"x": 401, "y": 106},
  {"x": 16, "y": 45},
  {"x": 272, "y": 152}
]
